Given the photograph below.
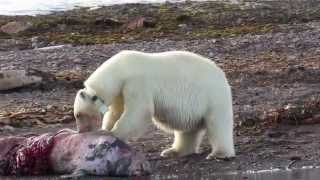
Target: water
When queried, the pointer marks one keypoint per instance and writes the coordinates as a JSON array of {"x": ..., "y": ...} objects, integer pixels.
[
  {"x": 304, "y": 173},
  {"x": 33, "y": 7}
]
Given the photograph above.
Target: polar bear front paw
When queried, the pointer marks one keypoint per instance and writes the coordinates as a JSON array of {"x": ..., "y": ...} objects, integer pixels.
[
  {"x": 170, "y": 153},
  {"x": 173, "y": 152}
]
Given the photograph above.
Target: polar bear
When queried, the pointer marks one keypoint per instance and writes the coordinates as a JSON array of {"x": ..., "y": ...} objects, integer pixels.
[{"x": 179, "y": 91}]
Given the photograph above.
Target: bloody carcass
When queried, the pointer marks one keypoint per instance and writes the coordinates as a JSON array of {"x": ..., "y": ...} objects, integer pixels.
[{"x": 69, "y": 152}]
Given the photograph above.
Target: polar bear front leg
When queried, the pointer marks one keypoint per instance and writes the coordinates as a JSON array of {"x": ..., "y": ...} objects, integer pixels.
[
  {"x": 114, "y": 114},
  {"x": 109, "y": 120},
  {"x": 220, "y": 131},
  {"x": 185, "y": 143},
  {"x": 136, "y": 118}
]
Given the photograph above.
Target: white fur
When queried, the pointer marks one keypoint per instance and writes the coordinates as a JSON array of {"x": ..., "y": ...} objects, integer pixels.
[{"x": 178, "y": 91}]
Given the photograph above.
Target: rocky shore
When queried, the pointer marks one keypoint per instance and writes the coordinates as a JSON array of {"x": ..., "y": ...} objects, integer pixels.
[
  {"x": 144, "y": 22},
  {"x": 270, "y": 51}
]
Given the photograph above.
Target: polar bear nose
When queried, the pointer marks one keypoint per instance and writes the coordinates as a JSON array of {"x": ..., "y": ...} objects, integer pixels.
[{"x": 103, "y": 109}]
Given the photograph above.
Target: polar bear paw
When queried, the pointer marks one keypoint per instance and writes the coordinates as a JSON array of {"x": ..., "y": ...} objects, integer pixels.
[
  {"x": 173, "y": 152},
  {"x": 170, "y": 153},
  {"x": 220, "y": 156}
]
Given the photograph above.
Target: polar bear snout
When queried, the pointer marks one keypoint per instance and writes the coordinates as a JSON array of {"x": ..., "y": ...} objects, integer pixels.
[
  {"x": 86, "y": 122},
  {"x": 87, "y": 111}
]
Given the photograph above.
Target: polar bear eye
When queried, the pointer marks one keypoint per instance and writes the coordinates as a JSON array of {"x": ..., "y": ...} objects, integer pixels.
[{"x": 94, "y": 98}]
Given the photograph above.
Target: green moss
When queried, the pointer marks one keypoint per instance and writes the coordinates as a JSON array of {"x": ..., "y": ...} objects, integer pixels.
[
  {"x": 163, "y": 8},
  {"x": 87, "y": 39},
  {"x": 203, "y": 20},
  {"x": 143, "y": 34},
  {"x": 231, "y": 7}
]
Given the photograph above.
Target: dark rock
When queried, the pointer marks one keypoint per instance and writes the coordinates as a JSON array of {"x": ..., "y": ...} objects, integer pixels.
[
  {"x": 275, "y": 134},
  {"x": 295, "y": 158},
  {"x": 107, "y": 22},
  {"x": 183, "y": 18}
]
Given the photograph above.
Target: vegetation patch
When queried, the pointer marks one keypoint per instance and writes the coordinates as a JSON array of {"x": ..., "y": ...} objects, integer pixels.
[{"x": 170, "y": 20}]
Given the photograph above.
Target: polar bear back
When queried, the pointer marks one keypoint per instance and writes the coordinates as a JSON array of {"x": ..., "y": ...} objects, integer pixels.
[
  {"x": 174, "y": 65},
  {"x": 182, "y": 84}
]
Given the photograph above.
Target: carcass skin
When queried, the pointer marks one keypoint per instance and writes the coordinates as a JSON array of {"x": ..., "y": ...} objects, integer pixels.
[
  {"x": 71, "y": 154},
  {"x": 95, "y": 153}
]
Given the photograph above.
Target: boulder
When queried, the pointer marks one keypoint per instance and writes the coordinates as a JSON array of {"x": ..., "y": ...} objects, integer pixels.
[{"x": 11, "y": 79}]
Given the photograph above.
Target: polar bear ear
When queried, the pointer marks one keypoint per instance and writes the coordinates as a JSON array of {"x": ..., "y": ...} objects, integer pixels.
[{"x": 82, "y": 94}]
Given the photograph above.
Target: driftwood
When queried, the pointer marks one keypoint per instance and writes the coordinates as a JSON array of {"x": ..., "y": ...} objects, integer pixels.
[{"x": 11, "y": 79}]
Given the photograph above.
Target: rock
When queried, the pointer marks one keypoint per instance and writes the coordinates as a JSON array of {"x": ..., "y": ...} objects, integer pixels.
[
  {"x": 16, "y": 27},
  {"x": 14, "y": 44},
  {"x": 50, "y": 107},
  {"x": 183, "y": 26},
  {"x": 77, "y": 60},
  {"x": 295, "y": 158},
  {"x": 211, "y": 54},
  {"x": 62, "y": 27},
  {"x": 213, "y": 41},
  {"x": 8, "y": 128},
  {"x": 183, "y": 18},
  {"x": 233, "y": 42},
  {"x": 38, "y": 42},
  {"x": 11, "y": 79},
  {"x": 291, "y": 57},
  {"x": 107, "y": 22},
  {"x": 139, "y": 23},
  {"x": 275, "y": 134}
]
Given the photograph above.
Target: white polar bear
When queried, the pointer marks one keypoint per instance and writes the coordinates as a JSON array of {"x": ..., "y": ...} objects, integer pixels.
[{"x": 181, "y": 92}]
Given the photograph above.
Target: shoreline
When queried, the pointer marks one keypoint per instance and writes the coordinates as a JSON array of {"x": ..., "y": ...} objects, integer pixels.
[{"x": 146, "y": 22}]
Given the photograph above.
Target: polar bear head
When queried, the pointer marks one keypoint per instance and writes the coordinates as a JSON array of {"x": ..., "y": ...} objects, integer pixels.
[{"x": 88, "y": 110}]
